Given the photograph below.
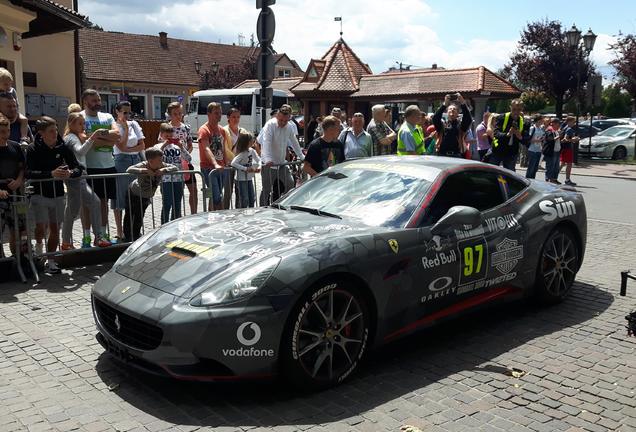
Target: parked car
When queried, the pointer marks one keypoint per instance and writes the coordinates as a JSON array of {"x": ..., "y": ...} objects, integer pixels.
[
  {"x": 367, "y": 252},
  {"x": 584, "y": 131},
  {"x": 616, "y": 142},
  {"x": 603, "y": 124}
]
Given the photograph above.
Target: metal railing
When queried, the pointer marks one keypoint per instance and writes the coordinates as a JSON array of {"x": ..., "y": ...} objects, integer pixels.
[{"x": 46, "y": 214}]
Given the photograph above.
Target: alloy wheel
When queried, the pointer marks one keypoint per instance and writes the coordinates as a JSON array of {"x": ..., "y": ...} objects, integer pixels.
[
  {"x": 559, "y": 264},
  {"x": 331, "y": 335}
]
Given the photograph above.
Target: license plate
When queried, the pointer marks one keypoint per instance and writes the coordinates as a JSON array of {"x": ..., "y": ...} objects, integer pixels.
[{"x": 118, "y": 351}]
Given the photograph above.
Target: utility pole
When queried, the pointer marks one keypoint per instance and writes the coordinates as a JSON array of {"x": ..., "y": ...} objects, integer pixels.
[{"x": 265, "y": 30}]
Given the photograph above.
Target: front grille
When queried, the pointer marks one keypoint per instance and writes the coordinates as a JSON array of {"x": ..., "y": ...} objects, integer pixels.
[{"x": 128, "y": 330}]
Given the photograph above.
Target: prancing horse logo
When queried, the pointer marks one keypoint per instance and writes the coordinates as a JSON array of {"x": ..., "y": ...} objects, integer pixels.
[
  {"x": 117, "y": 323},
  {"x": 394, "y": 245}
]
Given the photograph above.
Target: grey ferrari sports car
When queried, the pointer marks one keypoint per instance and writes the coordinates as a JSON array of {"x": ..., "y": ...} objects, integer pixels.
[{"x": 367, "y": 252}]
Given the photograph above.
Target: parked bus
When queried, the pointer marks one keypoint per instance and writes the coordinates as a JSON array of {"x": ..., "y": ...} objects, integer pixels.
[{"x": 247, "y": 100}]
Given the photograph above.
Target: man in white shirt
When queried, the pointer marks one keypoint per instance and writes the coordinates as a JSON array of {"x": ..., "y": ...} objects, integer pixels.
[{"x": 273, "y": 139}]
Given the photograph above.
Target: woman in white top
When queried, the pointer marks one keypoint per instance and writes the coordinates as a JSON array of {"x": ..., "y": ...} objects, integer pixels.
[
  {"x": 79, "y": 193},
  {"x": 247, "y": 164},
  {"x": 127, "y": 153}
]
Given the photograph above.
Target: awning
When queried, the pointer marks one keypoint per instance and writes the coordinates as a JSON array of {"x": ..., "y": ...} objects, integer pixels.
[{"x": 51, "y": 18}]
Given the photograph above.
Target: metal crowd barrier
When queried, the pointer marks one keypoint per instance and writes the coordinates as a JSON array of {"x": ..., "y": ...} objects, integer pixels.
[
  {"x": 81, "y": 202},
  {"x": 262, "y": 189},
  {"x": 15, "y": 207}
]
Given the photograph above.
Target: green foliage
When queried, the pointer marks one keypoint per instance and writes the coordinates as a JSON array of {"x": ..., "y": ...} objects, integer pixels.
[
  {"x": 533, "y": 101},
  {"x": 625, "y": 62},
  {"x": 616, "y": 103}
]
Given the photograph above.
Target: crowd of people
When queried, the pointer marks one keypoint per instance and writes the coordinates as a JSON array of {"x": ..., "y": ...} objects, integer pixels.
[{"x": 102, "y": 145}]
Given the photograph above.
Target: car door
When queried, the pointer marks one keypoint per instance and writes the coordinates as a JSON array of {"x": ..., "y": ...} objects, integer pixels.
[{"x": 458, "y": 262}]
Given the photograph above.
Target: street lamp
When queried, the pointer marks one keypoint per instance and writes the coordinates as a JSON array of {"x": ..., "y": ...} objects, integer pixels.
[
  {"x": 197, "y": 66},
  {"x": 574, "y": 38},
  {"x": 215, "y": 68}
]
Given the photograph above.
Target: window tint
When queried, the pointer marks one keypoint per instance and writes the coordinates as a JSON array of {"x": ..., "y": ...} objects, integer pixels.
[
  {"x": 481, "y": 190},
  {"x": 513, "y": 186},
  {"x": 243, "y": 102}
]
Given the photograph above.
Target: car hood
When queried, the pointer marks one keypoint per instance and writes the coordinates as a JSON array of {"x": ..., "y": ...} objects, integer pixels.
[{"x": 192, "y": 252}]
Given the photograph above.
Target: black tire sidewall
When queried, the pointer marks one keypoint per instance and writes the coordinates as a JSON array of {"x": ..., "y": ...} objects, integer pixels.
[
  {"x": 541, "y": 291},
  {"x": 290, "y": 365}
]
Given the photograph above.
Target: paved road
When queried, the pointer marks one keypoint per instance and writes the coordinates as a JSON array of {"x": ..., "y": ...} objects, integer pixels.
[
  {"x": 579, "y": 360},
  {"x": 609, "y": 199}
]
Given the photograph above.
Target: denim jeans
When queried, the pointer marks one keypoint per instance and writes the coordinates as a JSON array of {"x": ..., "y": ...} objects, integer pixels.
[
  {"x": 552, "y": 166},
  {"x": 246, "y": 193},
  {"x": 171, "y": 196},
  {"x": 122, "y": 162},
  {"x": 533, "y": 164},
  {"x": 216, "y": 179}
]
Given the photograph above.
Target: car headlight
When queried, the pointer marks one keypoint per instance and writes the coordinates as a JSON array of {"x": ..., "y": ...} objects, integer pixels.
[{"x": 239, "y": 285}]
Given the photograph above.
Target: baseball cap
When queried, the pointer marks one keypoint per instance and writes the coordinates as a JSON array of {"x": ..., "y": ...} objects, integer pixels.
[{"x": 285, "y": 109}]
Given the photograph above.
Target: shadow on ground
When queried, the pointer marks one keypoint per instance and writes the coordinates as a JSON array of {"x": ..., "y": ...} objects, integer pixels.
[{"x": 470, "y": 343}]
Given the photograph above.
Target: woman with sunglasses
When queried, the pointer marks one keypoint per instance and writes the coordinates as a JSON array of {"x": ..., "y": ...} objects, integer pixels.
[{"x": 127, "y": 153}]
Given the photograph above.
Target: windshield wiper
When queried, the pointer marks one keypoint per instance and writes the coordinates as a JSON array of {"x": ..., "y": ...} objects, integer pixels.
[
  {"x": 278, "y": 206},
  {"x": 315, "y": 211}
]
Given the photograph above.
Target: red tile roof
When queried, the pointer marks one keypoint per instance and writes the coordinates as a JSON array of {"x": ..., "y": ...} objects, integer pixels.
[
  {"x": 277, "y": 84},
  {"x": 114, "y": 56},
  {"x": 435, "y": 82},
  {"x": 341, "y": 72}
]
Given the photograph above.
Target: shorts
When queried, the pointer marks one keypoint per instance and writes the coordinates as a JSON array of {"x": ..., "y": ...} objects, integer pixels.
[
  {"x": 567, "y": 155},
  {"x": 47, "y": 210},
  {"x": 192, "y": 179},
  {"x": 103, "y": 188}
]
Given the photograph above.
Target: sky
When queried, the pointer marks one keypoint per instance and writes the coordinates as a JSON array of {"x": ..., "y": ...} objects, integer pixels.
[{"x": 452, "y": 34}]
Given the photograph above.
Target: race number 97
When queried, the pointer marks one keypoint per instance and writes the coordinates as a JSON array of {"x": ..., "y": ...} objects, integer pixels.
[
  {"x": 473, "y": 254},
  {"x": 473, "y": 259}
]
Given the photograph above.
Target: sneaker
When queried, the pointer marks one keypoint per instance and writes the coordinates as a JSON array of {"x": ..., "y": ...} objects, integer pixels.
[
  {"x": 52, "y": 268},
  {"x": 86, "y": 242},
  {"x": 39, "y": 248},
  {"x": 67, "y": 246},
  {"x": 570, "y": 182},
  {"x": 100, "y": 242}
]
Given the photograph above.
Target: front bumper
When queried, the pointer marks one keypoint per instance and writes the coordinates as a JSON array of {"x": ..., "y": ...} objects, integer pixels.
[{"x": 162, "y": 334}]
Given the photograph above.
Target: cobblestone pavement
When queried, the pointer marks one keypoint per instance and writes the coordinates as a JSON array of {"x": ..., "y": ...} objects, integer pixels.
[{"x": 579, "y": 360}]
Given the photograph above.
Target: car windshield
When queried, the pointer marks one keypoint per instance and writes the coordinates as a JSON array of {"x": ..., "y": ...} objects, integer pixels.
[
  {"x": 617, "y": 131},
  {"x": 377, "y": 197}
]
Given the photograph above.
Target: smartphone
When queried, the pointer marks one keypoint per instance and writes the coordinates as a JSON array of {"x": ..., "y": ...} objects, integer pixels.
[
  {"x": 453, "y": 97},
  {"x": 103, "y": 131}
]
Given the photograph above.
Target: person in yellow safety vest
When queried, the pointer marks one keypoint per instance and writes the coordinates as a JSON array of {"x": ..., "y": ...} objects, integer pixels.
[
  {"x": 410, "y": 135},
  {"x": 511, "y": 131}
]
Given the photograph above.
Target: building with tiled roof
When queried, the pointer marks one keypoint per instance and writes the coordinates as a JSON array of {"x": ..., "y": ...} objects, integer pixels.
[
  {"x": 341, "y": 79},
  {"x": 39, "y": 51},
  {"x": 284, "y": 84},
  {"x": 161, "y": 69}
]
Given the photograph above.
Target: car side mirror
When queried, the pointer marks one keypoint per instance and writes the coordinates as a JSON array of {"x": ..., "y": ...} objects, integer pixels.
[{"x": 456, "y": 217}]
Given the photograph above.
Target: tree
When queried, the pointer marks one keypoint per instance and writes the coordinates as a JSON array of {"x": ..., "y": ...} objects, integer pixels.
[
  {"x": 625, "y": 64},
  {"x": 543, "y": 62},
  {"x": 616, "y": 103},
  {"x": 229, "y": 76},
  {"x": 533, "y": 101}
]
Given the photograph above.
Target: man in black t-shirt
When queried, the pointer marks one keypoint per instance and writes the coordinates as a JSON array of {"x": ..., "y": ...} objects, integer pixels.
[
  {"x": 326, "y": 150},
  {"x": 12, "y": 163}
]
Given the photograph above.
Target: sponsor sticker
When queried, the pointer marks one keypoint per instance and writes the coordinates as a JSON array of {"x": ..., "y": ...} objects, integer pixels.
[
  {"x": 557, "y": 208},
  {"x": 469, "y": 232},
  {"x": 248, "y": 334},
  {"x": 485, "y": 283},
  {"x": 440, "y": 258},
  {"x": 501, "y": 223},
  {"x": 437, "y": 244},
  {"x": 440, "y": 287},
  {"x": 507, "y": 256}
]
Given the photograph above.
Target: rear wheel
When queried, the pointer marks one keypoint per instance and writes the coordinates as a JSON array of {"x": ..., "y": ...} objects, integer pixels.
[
  {"x": 326, "y": 336},
  {"x": 558, "y": 266},
  {"x": 620, "y": 153}
]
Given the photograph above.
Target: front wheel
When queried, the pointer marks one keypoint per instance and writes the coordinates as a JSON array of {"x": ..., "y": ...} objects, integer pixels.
[
  {"x": 326, "y": 336},
  {"x": 557, "y": 266},
  {"x": 620, "y": 153}
]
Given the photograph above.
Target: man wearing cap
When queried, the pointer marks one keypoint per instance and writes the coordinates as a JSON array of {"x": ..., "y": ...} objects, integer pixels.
[{"x": 274, "y": 138}]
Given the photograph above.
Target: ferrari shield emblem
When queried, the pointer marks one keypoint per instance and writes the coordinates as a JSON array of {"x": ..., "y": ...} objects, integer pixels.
[{"x": 394, "y": 245}]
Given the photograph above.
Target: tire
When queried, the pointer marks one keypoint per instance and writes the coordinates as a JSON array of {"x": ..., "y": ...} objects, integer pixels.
[
  {"x": 620, "y": 153},
  {"x": 557, "y": 267},
  {"x": 326, "y": 336}
]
